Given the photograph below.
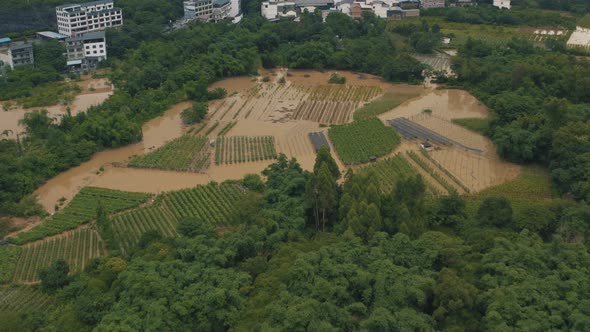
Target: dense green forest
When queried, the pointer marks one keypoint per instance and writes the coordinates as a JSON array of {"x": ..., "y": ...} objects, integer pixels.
[{"x": 301, "y": 251}]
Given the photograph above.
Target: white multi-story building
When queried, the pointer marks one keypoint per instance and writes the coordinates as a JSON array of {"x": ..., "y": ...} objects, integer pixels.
[
  {"x": 426, "y": 4},
  {"x": 75, "y": 19},
  {"x": 502, "y": 4},
  {"x": 87, "y": 50},
  {"x": 214, "y": 10}
]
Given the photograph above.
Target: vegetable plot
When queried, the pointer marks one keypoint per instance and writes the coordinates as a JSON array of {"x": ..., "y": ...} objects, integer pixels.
[
  {"x": 211, "y": 203},
  {"x": 81, "y": 210},
  {"x": 356, "y": 142},
  {"x": 8, "y": 258},
  {"x": 186, "y": 153},
  {"x": 77, "y": 248},
  {"x": 128, "y": 227},
  {"x": 241, "y": 149},
  {"x": 389, "y": 171},
  {"x": 24, "y": 299}
]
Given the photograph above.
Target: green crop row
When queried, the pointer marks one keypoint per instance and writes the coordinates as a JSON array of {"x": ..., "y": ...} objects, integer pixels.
[
  {"x": 426, "y": 167},
  {"x": 186, "y": 153},
  {"x": 77, "y": 248},
  {"x": 360, "y": 140},
  {"x": 240, "y": 149},
  {"x": 81, "y": 209},
  {"x": 210, "y": 203},
  {"x": 24, "y": 299},
  {"x": 129, "y": 226}
]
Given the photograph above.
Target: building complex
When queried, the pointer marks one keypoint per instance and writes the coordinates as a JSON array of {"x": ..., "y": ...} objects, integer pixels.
[
  {"x": 76, "y": 19},
  {"x": 211, "y": 10}
]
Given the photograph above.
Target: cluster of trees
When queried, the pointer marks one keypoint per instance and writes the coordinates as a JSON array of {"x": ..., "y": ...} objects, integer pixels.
[
  {"x": 157, "y": 70},
  {"x": 541, "y": 104},
  {"x": 490, "y": 15},
  {"x": 361, "y": 259},
  {"x": 423, "y": 37}
]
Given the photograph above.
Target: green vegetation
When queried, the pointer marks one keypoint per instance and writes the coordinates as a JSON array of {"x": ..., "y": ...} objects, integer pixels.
[
  {"x": 227, "y": 128},
  {"x": 186, "y": 153},
  {"x": 8, "y": 259},
  {"x": 445, "y": 171},
  {"x": 479, "y": 125},
  {"x": 210, "y": 130},
  {"x": 20, "y": 299},
  {"x": 77, "y": 248},
  {"x": 194, "y": 114},
  {"x": 210, "y": 204},
  {"x": 584, "y": 21},
  {"x": 241, "y": 149},
  {"x": 50, "y": 94},
  {"x": 387, "y": 102},
  {"x": 356, "y": 142},
  {"x": 337, "y": 79},
  {"x": 428, "y": 169},
  {"x": 389, "y": 171},
  {"x": 81, "y": 210},
  {"x": 130, "y": 226}
]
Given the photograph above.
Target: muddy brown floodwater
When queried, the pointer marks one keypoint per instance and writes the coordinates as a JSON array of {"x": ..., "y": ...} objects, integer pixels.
[
  {"x": 250, "y": 112},
  {"x": 155, "y": 134},
  {"x": 94, "y": 92}
]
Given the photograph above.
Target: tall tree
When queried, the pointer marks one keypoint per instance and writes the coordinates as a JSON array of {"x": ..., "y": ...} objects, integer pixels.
[
  {"x": 324, "y": 157},
  {"x": 322, "y": 195}
]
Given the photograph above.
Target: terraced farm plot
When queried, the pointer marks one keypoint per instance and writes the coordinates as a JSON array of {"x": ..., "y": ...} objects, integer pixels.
[
  {"x": 360, "y": 140},
  {"x": 76, "y": 247},
  {"x": 333, "y": 103},
  {"x": 389, "y": 171},
  {"x": 383, "y": 104},
  {"x": 81, "y": 210},
  {"x": 24, "y": 299},
  {"x": 129, "y": 226},
  {"x": 211, "y": 203},
  {"x": 242, "y": 149},
  {"x": 186, "y": 153}
]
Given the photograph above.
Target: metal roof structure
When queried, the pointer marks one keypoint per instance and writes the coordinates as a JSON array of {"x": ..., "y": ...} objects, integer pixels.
[
  {"x": 87, "y": 36},
  {"x": 5, "y": 40},
  {"x": 51, "y": 35}
]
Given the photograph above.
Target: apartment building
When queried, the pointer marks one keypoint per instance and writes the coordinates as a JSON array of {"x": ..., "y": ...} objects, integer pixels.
[
  {"x": 76, "y": 19},
  {"x": 211, "y": 10},
  {"x": 87, "y": 50},
  {"x": 16, "y": 55},
  {"x": 427, "y": 4}
]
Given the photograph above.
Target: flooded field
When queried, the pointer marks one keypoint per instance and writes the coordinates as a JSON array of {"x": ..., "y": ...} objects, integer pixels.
[
  {"x": 93, "y": 93},
  {"x": 257, "y": 108}
]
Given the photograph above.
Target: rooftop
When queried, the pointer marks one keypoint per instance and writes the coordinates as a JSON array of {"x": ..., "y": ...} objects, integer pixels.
[
  {"x": 20, "y": 46},
  {"x": 87, "y": 36},
  {"x": 5, "y": 40},
  {"x": 91, "y": 3},
  {"x": 317, "y": 3},
  {"x": 51, "y": 34}
]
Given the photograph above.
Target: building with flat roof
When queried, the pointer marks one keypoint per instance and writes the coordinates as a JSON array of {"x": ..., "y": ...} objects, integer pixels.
[
  {"x": 86, "y": 51},
  {"x": 75, "y": 19},
  {"x": 211, "y": 10},
  {"x": 427, "y": 4},
  {"x": 21, "y": 55}
]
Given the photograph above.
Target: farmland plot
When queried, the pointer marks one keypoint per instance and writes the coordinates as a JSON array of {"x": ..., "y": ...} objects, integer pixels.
[
  {"x": 210, "y": 203},
  {"x": 452, "y": 131},
  {"x": 476, "y": 172},
  {"x": 76, "y": 247},
  {"x": 186, "y": 153},
  {"x": 390, "y": 171},
  {"x": 356, "y": 142},
  {"x": 8, "y": 259},
  {"x": 129, "y": 226},
  {"x": 333, "y": 103},
  {"x": 81, "y": 210},
  {"x": 241, "y": 149},
  {"x": 24, "y": 299}
]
